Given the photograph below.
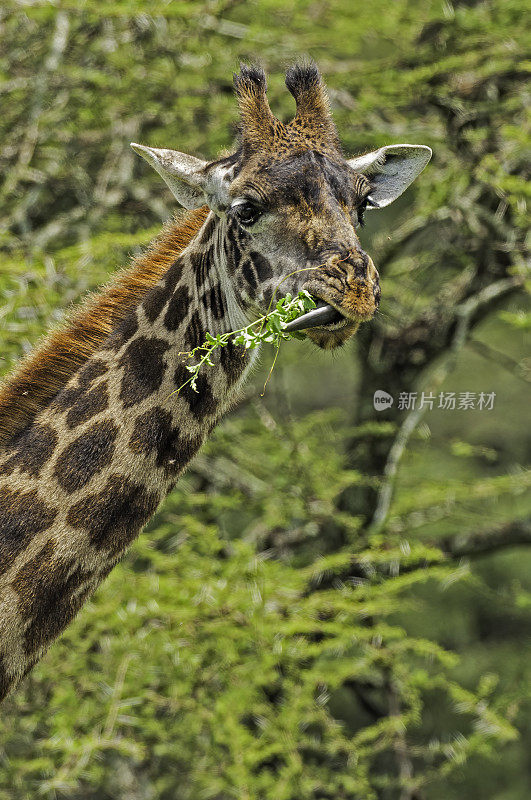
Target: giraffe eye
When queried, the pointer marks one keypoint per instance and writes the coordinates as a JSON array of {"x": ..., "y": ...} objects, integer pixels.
[{"x": 247, "y": 213}]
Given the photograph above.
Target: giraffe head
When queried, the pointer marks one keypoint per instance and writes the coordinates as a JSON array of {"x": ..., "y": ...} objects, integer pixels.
[{"x": 290, "y": 204}]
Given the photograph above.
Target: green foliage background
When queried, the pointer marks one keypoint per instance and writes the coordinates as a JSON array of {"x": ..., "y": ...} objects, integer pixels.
[{"x": 268, "y": 636}]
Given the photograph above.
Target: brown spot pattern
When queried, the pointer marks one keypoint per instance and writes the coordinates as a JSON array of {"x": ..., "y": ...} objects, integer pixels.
[
  {"x": 195, "y": 333},
  {"x": 262, "y": 266},
  {"x": 31, "y": 450},
  {"x": 92, "y": 370},
  {"x": 213, "y": 301},
  {"x": 67, "y": 397},
  {"x": 201, "y": 263},
  {"x": 88, "y": 404},
  {"x": 143, "y": 369},
  {"x": 86, "y": 456},
  {"x": 177, "y": 308},
  {"x": 155, "y": 302},
  {"x": 154, "y": 433},
  {"x": 233, "y": 362},
  {"x": 114, "y": 516},
  {"x": 208, "y": 229},
  {"x": 45, "y": 586},
  {"x": 247, "y": 270},
  {"x": 173, "y": 276},
  {"x": 122, "y": 333},
  {"x": 202, "y": 402},
  {"x": 22, "y": 516}
]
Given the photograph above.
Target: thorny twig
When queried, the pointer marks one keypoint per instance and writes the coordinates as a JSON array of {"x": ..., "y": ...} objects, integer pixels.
[{"x": 268, "y": 328}]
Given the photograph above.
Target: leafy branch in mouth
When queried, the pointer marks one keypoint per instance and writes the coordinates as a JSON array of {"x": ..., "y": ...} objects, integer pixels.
[{"x": 268, "y": 328}]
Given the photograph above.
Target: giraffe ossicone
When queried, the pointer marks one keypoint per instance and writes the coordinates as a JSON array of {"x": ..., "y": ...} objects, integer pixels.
[{"x": 93, "y": 434}]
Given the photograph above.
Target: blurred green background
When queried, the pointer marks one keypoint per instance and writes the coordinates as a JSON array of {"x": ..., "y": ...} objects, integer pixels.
[{"x": 334, "y": 602}]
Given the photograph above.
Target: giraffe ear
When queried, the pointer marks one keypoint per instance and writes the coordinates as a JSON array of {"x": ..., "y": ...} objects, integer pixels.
[
  {"x": 193, "y": 182},
  {"x": 391, "y": 169}
]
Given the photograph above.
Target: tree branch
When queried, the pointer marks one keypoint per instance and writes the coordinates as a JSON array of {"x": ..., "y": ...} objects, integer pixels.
[{"x": 490, "y": 540}]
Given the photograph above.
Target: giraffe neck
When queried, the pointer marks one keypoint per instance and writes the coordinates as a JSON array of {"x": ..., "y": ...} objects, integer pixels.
[{"x": 81, "y": 480}]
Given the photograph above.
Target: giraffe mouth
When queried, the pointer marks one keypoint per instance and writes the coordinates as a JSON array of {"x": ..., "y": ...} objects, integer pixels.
[{"x": 323, "y": 315}]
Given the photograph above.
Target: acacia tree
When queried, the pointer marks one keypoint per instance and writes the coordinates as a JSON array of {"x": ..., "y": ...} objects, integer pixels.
[{"x": 473, "y": 239}]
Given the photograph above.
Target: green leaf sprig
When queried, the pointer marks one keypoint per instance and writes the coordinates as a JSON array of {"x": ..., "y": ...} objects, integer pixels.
[{"x": 270, "y": 328}]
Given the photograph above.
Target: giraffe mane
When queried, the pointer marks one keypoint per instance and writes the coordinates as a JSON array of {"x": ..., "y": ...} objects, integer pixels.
[{"x": 47, "y": 369}]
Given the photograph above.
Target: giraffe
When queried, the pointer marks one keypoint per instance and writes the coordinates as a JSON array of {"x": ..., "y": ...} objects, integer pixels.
[{"x": 93, "y": 433}]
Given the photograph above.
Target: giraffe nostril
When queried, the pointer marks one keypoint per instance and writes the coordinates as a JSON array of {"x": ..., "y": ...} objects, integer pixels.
[{"x": 361, "y": 270}]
